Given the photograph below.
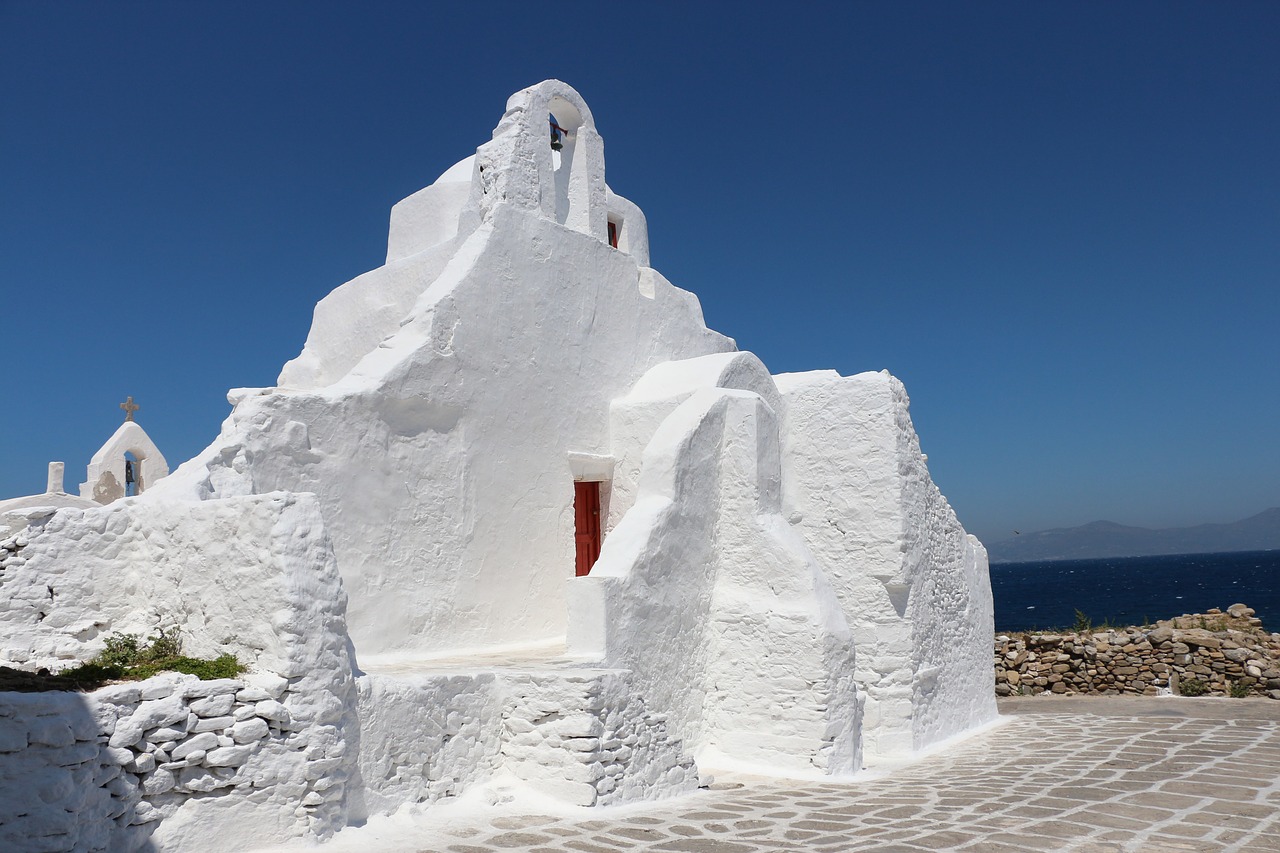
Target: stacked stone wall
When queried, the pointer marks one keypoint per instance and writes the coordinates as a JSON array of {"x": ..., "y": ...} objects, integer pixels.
[
  {"x": 424, "y": 738},
  {"x": 1214, "y": 653},
  {"x": 588, "y": 739},
  {"x": 581, "y": 735},
  {"x": 99, "y": 771}
]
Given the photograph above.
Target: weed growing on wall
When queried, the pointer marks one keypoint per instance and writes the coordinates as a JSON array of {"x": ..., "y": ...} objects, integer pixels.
[
  {"x": 127, "y": 658},
  {"x": 1192, "y": 687}
]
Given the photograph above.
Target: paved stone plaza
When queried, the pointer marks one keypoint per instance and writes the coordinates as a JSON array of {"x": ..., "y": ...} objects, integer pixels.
[{"x": 1084, "y": 774}]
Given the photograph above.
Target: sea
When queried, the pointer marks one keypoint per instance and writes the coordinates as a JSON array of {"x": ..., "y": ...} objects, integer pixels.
[{"x": 1134, "y": 590}]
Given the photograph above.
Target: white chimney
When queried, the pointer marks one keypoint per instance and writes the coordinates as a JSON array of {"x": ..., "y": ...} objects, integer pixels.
[{"x": 55, "y": 478}]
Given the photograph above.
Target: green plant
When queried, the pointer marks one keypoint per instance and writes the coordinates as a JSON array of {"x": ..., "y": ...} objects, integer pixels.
[
  {"x": 121, "y": 650},
  {"x": 1083, "y": 624},
  {"x": 1192, "y": 687},
  {"x": 165, "y": 644},
  {"x": 87, "y": 676},
  {"x": 223, "y": 666},
  {"x": 125, "y": 658},
  {"x": 1239, "y": 690}
]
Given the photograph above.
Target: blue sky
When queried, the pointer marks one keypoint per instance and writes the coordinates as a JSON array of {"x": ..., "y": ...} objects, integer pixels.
[{"x": 1057, "y": 223}]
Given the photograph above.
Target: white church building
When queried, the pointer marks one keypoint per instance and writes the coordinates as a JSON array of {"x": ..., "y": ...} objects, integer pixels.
[{"x": 514, "y": 511}]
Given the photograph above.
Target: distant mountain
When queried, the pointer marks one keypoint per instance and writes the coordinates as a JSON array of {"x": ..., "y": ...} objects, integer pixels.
[{"x": 1108, "y": 539}]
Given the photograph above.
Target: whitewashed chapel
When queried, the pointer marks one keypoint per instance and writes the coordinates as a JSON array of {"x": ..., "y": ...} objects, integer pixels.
[
  {"x": 516, "y": 512},
  {"x": 124, "y": 466}
]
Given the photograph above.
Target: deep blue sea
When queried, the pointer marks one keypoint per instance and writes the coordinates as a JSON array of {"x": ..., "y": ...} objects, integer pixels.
[{"x": 1134, "y": 590}]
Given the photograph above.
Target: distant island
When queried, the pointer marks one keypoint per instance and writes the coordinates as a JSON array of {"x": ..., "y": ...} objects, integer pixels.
[{"x": 1107, "y": 539}]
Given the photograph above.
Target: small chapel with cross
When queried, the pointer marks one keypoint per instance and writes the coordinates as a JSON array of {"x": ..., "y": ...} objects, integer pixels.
[{"x": 126, "y": 465}]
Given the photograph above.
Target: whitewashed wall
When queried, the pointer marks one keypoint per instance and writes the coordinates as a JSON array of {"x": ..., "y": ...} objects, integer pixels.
[
  {"x": 705, "y": 592},
  {"x": 441, "y": 457},
  {"x": 913, "y": 585},
  {"x": 252, "y": 576}
]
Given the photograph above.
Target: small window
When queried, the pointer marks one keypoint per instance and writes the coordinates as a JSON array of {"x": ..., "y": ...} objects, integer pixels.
[{"x": 615, "y": 228}]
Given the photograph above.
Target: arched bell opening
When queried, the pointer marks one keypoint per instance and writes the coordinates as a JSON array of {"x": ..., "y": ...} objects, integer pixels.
[
  {"x": 132, "y": 474},
  {"x": 563, "y": 122}
]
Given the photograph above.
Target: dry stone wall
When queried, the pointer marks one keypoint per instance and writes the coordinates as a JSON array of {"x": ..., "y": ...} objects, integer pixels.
[
  {"x": 1213, "y": 653},
  {"x": 583, "y": 735},
  {"x": 59, "y": 790},
  {"x": 99, "y": 771},
  {"x": 589, "y": 739},
  {"x": 424, "y": 738}
]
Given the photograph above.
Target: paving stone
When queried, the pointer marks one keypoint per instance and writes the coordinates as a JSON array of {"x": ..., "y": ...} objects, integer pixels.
[
  {"x": 638, "y": 833},
  {"x": 1060, "y": 775},
  {"x": 947, "y": 840},
  {"x": 592, "y": 846},
  {"x": 1026, "y": 841},
  {"x": 512, "y": 840},
  {"x": 1186, "y": 830},
  {"x": 1060, "y": 829},
  {"x": 705, "y": 845},
  {"x": 1162, "y": 800}
]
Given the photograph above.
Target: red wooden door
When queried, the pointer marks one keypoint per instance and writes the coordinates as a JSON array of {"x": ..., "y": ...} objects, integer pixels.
[{"x": 586, "y": 524}]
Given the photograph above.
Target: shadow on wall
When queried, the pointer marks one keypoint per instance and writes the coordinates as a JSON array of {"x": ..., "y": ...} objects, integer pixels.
[{"x": 60, "y": 788}]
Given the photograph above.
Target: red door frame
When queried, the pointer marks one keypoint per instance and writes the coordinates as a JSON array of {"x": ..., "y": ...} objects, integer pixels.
[{"x": 586, "y": 525}]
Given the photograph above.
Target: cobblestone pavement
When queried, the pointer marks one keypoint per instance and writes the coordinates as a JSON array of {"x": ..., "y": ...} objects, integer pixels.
[{"x": 1088, "y": 775}]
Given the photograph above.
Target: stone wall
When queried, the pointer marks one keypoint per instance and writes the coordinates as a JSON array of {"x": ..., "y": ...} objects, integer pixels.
[
  {"x": 59, "y": 790},
  {"x": 589, "y": 739},
  {"x": 424, "y": 737},
  {"x": 99, "y": 771},
  {"x": 1228, "y": 653},
  {"x": 252, "y": 576},
  {"x": 582, "y": 735}
]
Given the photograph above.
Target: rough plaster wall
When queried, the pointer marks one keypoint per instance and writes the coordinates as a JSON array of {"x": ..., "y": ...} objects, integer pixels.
[
  {"x": 252, "y": 576},
  {"x": 782, "y": 663},
  {"x": 588, "y": 738},
  {"x": 441, "y": 460},
  {"x": 217, "y": 569},
  {"x": 582, "y": 735},
  {"x": 169, "y": 763},
  {"x": 353, "y": 318},
  {"x": 58, "y": 790},
  {"x": 950, "y": 607},
  {"x": 634, "y": 418},
  {"x": 424, "y": 738},
  {"x": 646, "y": 604},
  {"x": 430, "y": 216},
  {"x": 639, "y": 755},
  {"x": 912, "y": 586},
  {"x": 841, "y": 489},
  {"x": 715, "y": 605}
]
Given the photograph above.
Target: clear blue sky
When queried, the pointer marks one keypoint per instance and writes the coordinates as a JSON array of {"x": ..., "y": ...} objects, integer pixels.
[{"x": 1057, "y": 223}]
